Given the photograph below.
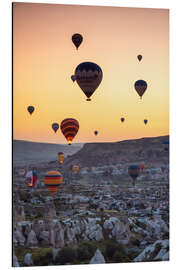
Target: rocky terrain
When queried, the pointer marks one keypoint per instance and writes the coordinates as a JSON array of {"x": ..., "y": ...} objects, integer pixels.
[{"x": 96, "y": 216}]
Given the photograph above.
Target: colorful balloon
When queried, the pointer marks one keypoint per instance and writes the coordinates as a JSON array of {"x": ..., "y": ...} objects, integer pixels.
[
  {"x": 140, "y": 87},
  {"x": 31, "y": 178},
  {"x": 142, "y": 166},
  {"x": 122, "y": 119},
  {"x": 88, "y": 77},
  {"x": 145, "y": 121},
  {"x": 73, "y": 78},
  {"x": 139, "y": 57},
  {"x": 61, "y": 157},
  {"x": 95, "y": 132},
  {"x": 30, "y": 109},
  {"x": 166, "y": 145},
  {"x": 53, "y": 180},
  {"x": 75, "y": 169},
  {"x": 133, "y": 171},
  {"x": 69, "y": 128},
  {"x": 55, "y": 127},
  {"x": 77, "y": 40}
]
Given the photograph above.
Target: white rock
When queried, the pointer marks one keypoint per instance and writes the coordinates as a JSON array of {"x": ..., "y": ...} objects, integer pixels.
[
  {"x": 98, "y": 258},
  {"x": 28, "y": 259},
  {"x": 32, "y": 240},
  {"x": 15, "y": 261}
]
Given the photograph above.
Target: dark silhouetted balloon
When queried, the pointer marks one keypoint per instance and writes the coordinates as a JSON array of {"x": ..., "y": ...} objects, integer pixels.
[
  {"x": 30, "y": 109},
  {"x": 145, "y": 121},
  {"x": 139, "y": 57},
  {"x": 140, "y": 87},
  {"x": 134, "y": 171},
  {"x": 88, "y": 77},
  {"x": 77, "y": 40},
  {"x": 73, "y": 78},
  {"x": 69, "y": 128},
  {"x": 122, "y": 119},
  {"x": 95, "y": 132},
  {"x": 166, "y": 145},
  {"x": 55, "y": 127}
]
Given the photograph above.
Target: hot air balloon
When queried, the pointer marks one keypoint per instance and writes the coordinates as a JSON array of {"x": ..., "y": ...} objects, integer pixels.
[
  {"x": 140, "y": 87},
  {"x": 95, "y": 132},
  {"x": 166, "y": 145},
  {"x": 75, "y": 169},
  {"x": 53, "y": 180},
  {"x": 139, "y": 57},
  {"x": 145, "y": 121},
  {"x": 55, "y": 127},
  {"x": 73, "y": 78},
  {"x": 69, "y": 128},
  {"x": 30, "y": 109},
  {"x": 61, "y": 157},
  {"x": 88, "y": 77},
  {"x": 31, "y": 178},
  {"x": 77, "y": 40},
  {"x": 133, "y": 171},
  {"x": 142, "y": 166},
  {"x": 122, "y": 119}
]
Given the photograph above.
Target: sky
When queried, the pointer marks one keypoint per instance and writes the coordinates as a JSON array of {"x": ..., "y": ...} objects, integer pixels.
[{"x": 44, "y": 58}]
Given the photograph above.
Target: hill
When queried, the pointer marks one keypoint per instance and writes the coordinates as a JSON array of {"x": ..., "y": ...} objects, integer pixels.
[
  {"x": 27, "y": 152},
  {"x": 150, "y": 150}
]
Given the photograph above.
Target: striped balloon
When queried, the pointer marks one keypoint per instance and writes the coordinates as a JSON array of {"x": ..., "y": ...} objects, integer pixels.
[
  {"x": 69, "y": 128},
  {"x": 52, "y": 180}
]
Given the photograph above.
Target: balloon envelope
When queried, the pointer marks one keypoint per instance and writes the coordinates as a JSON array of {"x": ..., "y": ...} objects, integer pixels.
[
  {"x": 142, "y": 166},
  {"x": 69, "y": 128},
  {"x": 75, "y": 168},
  {"x": 55, "y": 127},
  {"x": 31, "y": 176},
  {"x": 145, "y": 121},
  {"x": 88, "y": 77},
  {"x": 53, "y": 180},
  {"x": 96, "y": 132},
  {"x": 73, "y": 78},
  {"x": 30, "y": 109},
  {"x": 122, "y": 119},
  {"x": 166, "y": 145},
  {"x": 133, "y": 171},
  {"x": 139, "y": 57},
  {"x": 140, "y": 87},
  {"x": 61, "y": 157},
  {"x": 77, "y": 40}
]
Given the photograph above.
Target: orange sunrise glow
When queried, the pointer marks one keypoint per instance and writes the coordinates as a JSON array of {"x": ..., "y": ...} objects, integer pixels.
[{"x": 44, "y": 58}]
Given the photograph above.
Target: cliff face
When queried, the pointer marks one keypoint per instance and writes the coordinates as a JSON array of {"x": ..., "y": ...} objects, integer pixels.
[{"x": 150, "y": 150}]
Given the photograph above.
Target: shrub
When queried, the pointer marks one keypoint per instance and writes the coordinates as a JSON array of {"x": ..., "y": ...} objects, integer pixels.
[
  {"x": 110, "y": 248},
  {"x": 120, "y": 257},
  {"x": 42, "y": 256},
  {"x": 66, "y": 255},
  {"x": 83, "y": 253},
  {"x": 89, "y": 246}
]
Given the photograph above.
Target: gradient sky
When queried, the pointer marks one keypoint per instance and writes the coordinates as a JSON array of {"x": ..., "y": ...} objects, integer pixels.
[{"x": 45, "y": 58}]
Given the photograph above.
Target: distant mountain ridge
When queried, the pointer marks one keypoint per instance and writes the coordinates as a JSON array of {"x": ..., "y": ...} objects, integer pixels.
[
  {"x": 27, "y": 151},
  {"x": 149, "y": 149}
]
